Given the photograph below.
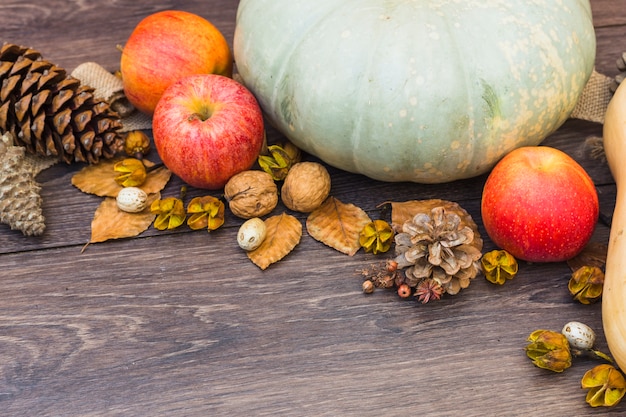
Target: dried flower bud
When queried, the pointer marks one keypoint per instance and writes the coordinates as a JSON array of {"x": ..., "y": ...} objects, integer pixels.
[
  {"x": 606, "y": 386},
  {"x": 279, "y": 160},
  {"x": 132, "y": 172},
  {"x": 549, "y": 350},
  {"x": 205, "y": 212},
  {"x": 428, "y": 289},
  {"x": 170, "y": 213},
  {"x": 586, "y": 284},
  {"x": 137, "y": 144},
  {"x": 498, "y": 266},
  {"x": 376, "y": 237}
]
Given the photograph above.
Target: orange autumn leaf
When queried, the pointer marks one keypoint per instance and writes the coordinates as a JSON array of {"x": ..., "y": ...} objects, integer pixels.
[
  {"x": 338, "y": 225},
  {"x": 283, "y": 234},
  {"x": 402, "y": 212},
  {"x": 99, "y": 179},
  {"x": 109, "y": 222}
]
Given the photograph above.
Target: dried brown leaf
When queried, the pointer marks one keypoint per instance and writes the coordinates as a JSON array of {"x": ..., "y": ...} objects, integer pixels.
[
  {"x": 109, "y": 222},
  {"x": 283, "y": 234},
  {"x": 99, "y": 179},
  {"x": 338, "y": 225},
  {"x": 402, "y": 212}
]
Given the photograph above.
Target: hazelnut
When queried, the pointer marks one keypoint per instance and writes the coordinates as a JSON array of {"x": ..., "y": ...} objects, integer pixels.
[
  {"x": 306, "y": 187},
  {"x": 131, "y": 199},
  {"x": 251, "y": 194},
  {"x": 251, "y": 234}
]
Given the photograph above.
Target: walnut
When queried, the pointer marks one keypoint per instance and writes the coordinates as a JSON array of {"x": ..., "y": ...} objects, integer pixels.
[
  {"x": 251, "y": 194},
  {"x": 306, "y": 187}
]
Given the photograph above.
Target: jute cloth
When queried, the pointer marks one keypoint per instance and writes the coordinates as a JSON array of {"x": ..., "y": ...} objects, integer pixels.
[
  {"x": 595, "y": 98},
  {"x": 111, "y": 88}
]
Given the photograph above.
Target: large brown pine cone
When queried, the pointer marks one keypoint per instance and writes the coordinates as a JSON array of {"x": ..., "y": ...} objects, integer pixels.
[{"x": 50, "y": 113}]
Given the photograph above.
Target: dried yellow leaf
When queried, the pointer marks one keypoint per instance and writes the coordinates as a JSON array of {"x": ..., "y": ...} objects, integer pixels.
[
  {"x": 283, "y": 235},
  {"x": 338, "y": 225},
  {"x": 99, "y": 179},
  {"x": 109, "y": 222}
]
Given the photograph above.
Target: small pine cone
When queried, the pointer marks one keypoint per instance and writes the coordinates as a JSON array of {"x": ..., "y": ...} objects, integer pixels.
[
  {"x": 50, "y": 113},
  {"x": 441, "y": 245},
  {"x": 20, "y": 202}
]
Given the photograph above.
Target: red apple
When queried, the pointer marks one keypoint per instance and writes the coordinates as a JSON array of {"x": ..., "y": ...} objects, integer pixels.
[
  {"x": 166, "y": 46},
  {"x": 207, "y": 128},
  {"x": 539, "y": 205}
]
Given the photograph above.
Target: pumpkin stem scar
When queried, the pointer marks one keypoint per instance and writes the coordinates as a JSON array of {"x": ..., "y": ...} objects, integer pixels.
[{"x": 491, "y": 99}]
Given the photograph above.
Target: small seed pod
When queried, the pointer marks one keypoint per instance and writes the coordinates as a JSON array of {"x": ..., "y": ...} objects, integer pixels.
[
  {"x": 579, "y": 335},
  {"x": 131, "y": 199},
  {"x": 251, "y": 234}
]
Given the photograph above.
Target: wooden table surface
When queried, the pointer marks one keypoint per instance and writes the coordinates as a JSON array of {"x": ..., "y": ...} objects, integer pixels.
[{"x": 182, "y": 323}]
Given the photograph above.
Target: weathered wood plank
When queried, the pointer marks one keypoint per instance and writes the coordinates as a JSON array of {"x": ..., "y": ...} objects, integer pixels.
[
  {"x": 200, "y": 325},
  {"x": 607, "y": 13},
  {"x": 182, "y": 323}
]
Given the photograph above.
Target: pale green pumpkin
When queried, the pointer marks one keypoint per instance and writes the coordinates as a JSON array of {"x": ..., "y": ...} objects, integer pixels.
[{"x": 427, "y": 91}]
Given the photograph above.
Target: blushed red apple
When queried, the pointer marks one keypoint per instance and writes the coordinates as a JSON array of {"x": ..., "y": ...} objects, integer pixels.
[
  {"x": 207, "y": 128},
  {"x": 540, "y": 205},
  {"x": 166, "y": 46}
]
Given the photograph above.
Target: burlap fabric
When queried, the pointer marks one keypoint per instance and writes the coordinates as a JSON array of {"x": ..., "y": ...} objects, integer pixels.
[
  {"x": 111, "y": 88},
  {"x": 595, "y": 99}
]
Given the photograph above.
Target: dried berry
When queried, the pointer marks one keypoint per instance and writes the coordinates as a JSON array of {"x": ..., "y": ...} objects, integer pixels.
[
  {"x": 586, "y": 284},
  {"x": 376, "y": 237},
  {"x": 499, "y": 266},
  {"x": 251, "y": 194},
  {"x": 306, "y": 187},
  {"x": 606, "y": 386},
  {"x": 549, "y": 350},
  {"x": 170, "y": 213},
  {"x": 205, "y": 212},
  {"x": 368, "y": 286},
  {"x": 404, "y": 291},
  {"x": 132, "y": 172}
]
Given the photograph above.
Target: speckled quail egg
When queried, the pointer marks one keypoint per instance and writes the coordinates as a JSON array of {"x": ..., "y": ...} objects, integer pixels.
[{"x": 579, "y": 335}]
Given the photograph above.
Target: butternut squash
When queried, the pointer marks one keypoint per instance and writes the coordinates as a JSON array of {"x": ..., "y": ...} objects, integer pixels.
[{"x": 614, "y": 293}]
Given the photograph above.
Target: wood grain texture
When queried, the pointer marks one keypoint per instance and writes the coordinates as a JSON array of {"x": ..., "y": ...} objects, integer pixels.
[{"x": 182, "y": 323}]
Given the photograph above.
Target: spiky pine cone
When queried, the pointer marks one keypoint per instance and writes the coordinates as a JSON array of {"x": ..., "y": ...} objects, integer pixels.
[
  {"x": 50, "y": 113},
  {"x": 440, "y": 245},
  {"x": 20, "y": 202}
]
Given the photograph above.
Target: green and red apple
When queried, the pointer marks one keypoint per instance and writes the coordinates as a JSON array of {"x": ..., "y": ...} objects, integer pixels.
[
  {"x": 166, "y": 46},
  {"x": 540, "y": 205},
  {"x": 208, "y": 128}
]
